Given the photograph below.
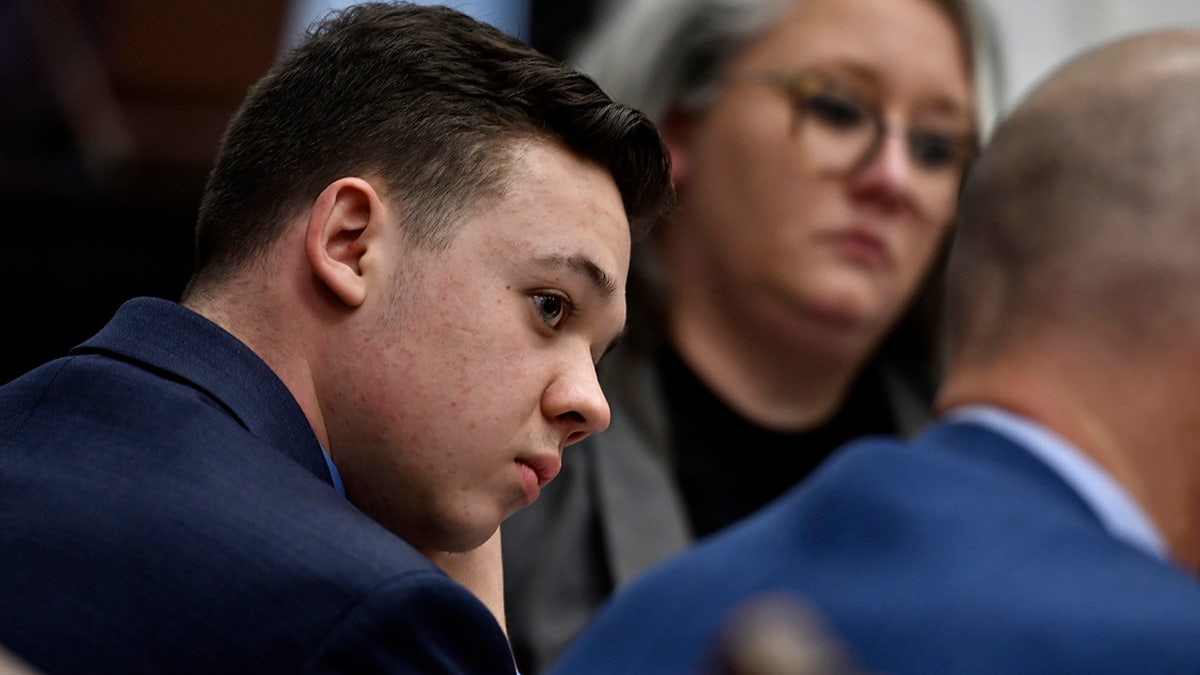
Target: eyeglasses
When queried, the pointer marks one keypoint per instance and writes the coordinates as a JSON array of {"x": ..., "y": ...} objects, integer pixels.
[{"x": 840, "y": 133}]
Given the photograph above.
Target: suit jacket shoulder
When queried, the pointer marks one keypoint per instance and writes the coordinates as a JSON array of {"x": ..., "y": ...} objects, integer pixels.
[
  {"x": 167, "y": 508},
  {"x": 959, "y": 553}
]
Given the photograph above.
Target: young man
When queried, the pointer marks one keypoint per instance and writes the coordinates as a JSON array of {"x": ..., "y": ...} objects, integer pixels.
[
  {"x": 411, "y": 252},
  {"x": 1050, "y": 522}
]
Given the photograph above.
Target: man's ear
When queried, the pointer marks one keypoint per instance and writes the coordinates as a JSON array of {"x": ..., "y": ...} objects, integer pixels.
[
  {"x": 676, "y": 130},
  {"x": 340, "y": 226}
]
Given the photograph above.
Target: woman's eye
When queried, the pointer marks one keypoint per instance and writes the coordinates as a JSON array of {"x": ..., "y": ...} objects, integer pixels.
[
  {"x": 551, "y": 308},
  {"x": 835, "y": 112},
  {"x": 934, "y": 151}
]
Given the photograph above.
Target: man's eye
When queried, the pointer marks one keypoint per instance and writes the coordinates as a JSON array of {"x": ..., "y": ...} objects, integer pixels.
[{"x": 552, "y": 308}]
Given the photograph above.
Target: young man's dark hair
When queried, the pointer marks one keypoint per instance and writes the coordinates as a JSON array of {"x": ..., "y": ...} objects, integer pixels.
[{"x": 429, "y": 100}]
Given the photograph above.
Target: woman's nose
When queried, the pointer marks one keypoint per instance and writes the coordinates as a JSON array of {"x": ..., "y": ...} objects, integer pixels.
[{"x": 889, "y": 172}]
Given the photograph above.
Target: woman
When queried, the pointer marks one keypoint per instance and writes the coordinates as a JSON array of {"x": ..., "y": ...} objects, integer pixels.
[{"x": 789, "y": 303}]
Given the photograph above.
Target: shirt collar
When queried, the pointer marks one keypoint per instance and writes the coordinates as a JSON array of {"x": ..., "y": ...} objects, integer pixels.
[
  {"x": 1117, "y": 510},
  {"x": 333, "y": 473}
]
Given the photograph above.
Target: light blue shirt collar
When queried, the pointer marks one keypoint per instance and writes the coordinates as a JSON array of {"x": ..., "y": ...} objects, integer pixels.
[
  {"x": 333, "y": 473},
  {"x": 1117, "y": 510}
]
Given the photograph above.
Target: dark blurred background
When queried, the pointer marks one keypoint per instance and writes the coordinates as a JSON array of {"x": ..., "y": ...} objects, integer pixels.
[{"x": 111, "y": 114}]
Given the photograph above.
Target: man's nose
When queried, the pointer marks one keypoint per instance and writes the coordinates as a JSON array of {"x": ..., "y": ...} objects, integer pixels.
[{"x": 575, "y": 403}]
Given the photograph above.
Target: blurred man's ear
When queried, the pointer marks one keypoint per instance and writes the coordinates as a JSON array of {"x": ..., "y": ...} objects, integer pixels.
[{"x": 337, "y": 235}]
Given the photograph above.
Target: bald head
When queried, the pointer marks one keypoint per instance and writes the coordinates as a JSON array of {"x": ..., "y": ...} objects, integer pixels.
[{"x": 1086, "y": 203}]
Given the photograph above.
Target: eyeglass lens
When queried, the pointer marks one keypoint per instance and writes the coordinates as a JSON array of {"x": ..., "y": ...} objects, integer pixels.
[{"x": 839, "y": 135}]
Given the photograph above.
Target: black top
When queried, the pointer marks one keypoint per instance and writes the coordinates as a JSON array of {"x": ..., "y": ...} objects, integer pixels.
[{"x": 729, "y": 467}]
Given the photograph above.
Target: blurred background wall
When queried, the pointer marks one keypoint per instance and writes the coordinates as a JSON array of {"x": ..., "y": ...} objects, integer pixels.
[
  {"x": 1039, "y": 34},
  {"x": 111, "y": 111}
]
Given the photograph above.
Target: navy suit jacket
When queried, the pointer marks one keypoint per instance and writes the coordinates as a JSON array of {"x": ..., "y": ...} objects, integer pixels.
[
  {"x": 166, "y": 508},
  {"x": 957, "y": 553}
]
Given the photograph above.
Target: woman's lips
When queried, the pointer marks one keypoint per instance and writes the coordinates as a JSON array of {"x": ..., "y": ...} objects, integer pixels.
[{"x": 862, "y": 247}]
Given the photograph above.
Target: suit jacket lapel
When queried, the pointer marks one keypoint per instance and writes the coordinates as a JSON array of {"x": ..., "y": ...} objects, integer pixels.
[{"x": 184, "y": 346}]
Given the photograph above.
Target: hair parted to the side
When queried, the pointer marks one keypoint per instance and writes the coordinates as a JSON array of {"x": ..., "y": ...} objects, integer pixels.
[{"x": 430, "y": 101}]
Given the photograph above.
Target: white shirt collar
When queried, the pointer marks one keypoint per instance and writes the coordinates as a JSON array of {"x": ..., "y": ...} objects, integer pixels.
[{"x": 1121, "y": 515}]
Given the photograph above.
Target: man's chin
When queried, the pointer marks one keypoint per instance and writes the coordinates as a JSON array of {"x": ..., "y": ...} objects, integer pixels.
[{"x": 462, "y": 538}]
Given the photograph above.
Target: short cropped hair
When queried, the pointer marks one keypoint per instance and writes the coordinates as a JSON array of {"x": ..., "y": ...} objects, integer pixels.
[{"x": 426, "y": 99}]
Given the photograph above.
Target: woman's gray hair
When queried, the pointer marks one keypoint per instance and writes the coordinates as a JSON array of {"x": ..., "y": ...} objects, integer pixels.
[{"x": 656, "y": 54}]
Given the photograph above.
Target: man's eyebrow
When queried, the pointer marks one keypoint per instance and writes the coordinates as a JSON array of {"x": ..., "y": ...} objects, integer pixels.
[{"x": 581, "y": 263}]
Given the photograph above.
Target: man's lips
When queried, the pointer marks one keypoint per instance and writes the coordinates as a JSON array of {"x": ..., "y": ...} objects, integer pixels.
[
  {"x": 534, "y": 472},
  {"x": 545, "y": 467}
]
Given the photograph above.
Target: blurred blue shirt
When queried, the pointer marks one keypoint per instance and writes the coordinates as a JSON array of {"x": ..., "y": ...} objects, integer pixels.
[{"x": 1122, "y": 516}]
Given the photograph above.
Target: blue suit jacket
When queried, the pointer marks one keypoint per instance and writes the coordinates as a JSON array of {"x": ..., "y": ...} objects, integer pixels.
[
  {"x": 165, "y": 507},
  {"x": 957, "y": 553}
]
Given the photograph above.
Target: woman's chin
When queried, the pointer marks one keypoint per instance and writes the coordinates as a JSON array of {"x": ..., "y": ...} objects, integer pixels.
[{"x": 848, "y": 302}]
